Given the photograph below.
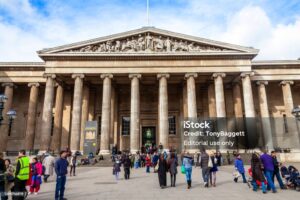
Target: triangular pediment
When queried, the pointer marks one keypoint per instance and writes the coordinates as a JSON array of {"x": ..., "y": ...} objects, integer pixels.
[{"x": 148, "y": 41}]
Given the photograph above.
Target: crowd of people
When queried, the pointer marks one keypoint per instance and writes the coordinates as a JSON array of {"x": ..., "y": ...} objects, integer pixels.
[{"x": 33, "y": 172}]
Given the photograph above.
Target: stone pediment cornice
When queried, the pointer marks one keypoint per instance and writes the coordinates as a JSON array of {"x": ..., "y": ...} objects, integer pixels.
[{"x": 148, "y": 41}]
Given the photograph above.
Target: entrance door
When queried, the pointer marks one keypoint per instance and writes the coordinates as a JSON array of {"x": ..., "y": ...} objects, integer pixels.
[{"x": 148, "y": 136}]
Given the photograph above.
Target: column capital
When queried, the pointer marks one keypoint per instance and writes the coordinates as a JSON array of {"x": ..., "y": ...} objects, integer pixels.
[
  {"x": 103, "y": 76},
  {"x": 286, "y": 82},
  {"x": 78, "y": 76},
  {"x": 244, "y": 74},
  {"x": 53, "y": 76},
  {"x": 261, "y": 82},
  {"x": 215, "y": 75},
  {"x": 33, "y": 84},
  {"x": 163, "y": 75},
  {"x": 135, "y": 75},
  {"x": 188, "y": 75},
  {"x": 10, "y": 84}
]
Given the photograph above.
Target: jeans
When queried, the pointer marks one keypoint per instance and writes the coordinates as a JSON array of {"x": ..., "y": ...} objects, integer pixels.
[
  {"x": 244, "y": 177},
  {"x": 278, "y": 177},
  {"x": 2, "y": 190},
  {"x": 263, "y": 186},
  {"x": 269, "y": 175},
  {"x": 173, "y": 179},
  {"x": 148, "y": 169},
  {"x": 188, "y": 174},
  {"x": 126, "y": 172},
  {"x": 60, "y": 187},
  {"x": 73, "y": 168},
  {"x": 205, "y": 174}
]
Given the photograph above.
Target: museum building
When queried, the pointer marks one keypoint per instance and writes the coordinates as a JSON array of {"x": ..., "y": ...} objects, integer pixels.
[{"x": 138, "y": 86}]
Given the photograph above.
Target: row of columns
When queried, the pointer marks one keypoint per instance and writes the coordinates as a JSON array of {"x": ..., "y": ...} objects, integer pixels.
[{"x": 216, "y": 96}]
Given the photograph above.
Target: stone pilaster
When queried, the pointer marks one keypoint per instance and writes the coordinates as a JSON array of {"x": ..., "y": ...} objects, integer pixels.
[
  {"x": 163, "y": 111},
  {"x": 47, "y": 113},
  {"x": 247, "y": 93},
  {"x": 287, "y": 97},
  {"x": 31, "y": 116},
  {"x": 237, "y": 101},
  {"x": 211, "y": 101},
  {"x": 58, "y": 114},
  {"x": 76, "y": 113},
  {"x": 264, "y": 114},
  {"x": 105, "y": 117},
  {"x": 191, "y": 94},
  {"x": 219, "y": 94},
  {"x": 9, "y": 93},
  {"x": 135, "y": 113}
]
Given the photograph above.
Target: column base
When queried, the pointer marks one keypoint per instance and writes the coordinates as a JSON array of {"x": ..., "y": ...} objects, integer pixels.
[
  {"x": 104, "y": 152},
  {"x": 134, "y": 151},
  {"x": 41, "y": 152}
]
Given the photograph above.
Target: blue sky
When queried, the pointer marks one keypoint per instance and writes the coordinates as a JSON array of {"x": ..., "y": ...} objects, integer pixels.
[{"x": 273, "y": 26}]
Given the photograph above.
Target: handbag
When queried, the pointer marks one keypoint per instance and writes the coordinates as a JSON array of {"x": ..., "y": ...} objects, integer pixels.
[
  {"x": 182, "y": 169},
  {"x": 10, "y": 178},
  {"x": 210, "y": 164}
]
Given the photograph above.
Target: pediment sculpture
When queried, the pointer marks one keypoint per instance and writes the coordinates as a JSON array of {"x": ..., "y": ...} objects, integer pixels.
[{"x": 147, "y": 43}]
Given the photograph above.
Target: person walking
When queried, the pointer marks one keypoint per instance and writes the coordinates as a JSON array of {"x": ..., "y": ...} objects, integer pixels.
[
  {"x": 213, "y": 170},
  {"x": 148, "y": 162},
  {"x": 268, "y": 165},
  {"x": 61, "y": 170},
  {"x": 36, "y": 179},
  {"x": 239, "y": 166},
  {"x": 155, "y": 159},
  {"x": 219, "y": 158},
  {"x": 117, "y": 169},
  {"x": 73, "y": 164},
  {"x": 48, "y": 164},
  {"x": 257, "y": 173},
  {"x": 187, "y": 162},
  {"x": 276, "y": 171},
  {"x": 10, "y": 177},
  {"x": 126, "y": 165},
  {"x": 137, "y": 160},
  {"x": 172, "y": 165},
  {"x": 2, "y": 177},
  {"x": 204, "y": 161},
  {"x": 21, "y": 176},
  {"x": 162, "y": 171}
]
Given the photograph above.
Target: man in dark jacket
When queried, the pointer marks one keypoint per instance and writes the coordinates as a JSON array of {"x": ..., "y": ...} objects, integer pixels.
[
  {"x": 61, "y": 170},
  {"x": 2, "y": 180},
  {"x": 126, "y": 164},
  {"x": 204, "y": 159},
  {"x": 276, "y": 171}
]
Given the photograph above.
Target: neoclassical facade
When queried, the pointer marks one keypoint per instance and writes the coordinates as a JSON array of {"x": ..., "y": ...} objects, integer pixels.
[{"x": 139, "y": 85}]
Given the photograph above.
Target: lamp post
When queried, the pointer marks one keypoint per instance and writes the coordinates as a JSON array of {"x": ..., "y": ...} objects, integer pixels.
[
  {"x": 11, "y": 116},
  {"x": 3, "y": 99}
]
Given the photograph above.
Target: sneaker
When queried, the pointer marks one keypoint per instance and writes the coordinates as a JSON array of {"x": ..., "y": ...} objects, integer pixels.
[
  {"x": 35, "y": 193},
  {"x": 29, "y": 193}
]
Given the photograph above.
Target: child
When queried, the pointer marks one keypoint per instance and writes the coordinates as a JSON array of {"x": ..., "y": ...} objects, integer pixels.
[
  {"x": 117, "y": 169},
  {"x": 36, "y": 179},
  {"x": 239, "y": 166}
]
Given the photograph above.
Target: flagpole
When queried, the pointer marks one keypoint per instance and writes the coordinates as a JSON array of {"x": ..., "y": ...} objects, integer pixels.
[{"x": 147, "y": 12}]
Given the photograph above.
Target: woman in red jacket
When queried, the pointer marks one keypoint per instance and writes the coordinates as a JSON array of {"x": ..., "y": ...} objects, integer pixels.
[
  {"x": 36, "y": 179},
  {"x": 148, "y": 163}
]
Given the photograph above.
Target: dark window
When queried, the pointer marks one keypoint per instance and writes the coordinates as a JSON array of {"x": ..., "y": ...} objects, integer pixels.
[
  {"x": 172, "y": 125},
  {"x": 99, "y": 125},
  {"x": 285, "y": 124},
  {"x": 125, "y": 125}
]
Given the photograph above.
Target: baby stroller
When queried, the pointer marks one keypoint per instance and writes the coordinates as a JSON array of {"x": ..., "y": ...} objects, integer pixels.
[{"x": 294, "y": 179}]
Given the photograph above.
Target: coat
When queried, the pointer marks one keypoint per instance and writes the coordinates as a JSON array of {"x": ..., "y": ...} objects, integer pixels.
[
  {"x": 172, "y": 165},
  {"x": 239, "y": 165},
  {"x": 256, "y": 166},
  {"x": 48, "y": 163}
]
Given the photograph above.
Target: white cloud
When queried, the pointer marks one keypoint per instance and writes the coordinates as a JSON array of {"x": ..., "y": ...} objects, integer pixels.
[{"x": 249, "y": 26}]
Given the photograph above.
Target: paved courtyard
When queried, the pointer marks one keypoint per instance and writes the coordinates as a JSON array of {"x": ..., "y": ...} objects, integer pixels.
[{"x": 94, "y": 183}]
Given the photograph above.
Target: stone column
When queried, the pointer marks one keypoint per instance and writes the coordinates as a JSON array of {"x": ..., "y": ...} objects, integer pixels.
[
  {"x": 84, "y": 113},
  {"x": 47, "y": 113},
  {"x": 264, "y": 114},
  {"x": 237, "y": 99},
  {"x": 191, "y": 94},
  {"x": 8, "y": 92},
  {"x": 105, "y": 117},
  {"x": 247, "y": 93},
  {"x": 163, "y": 111},
  {"x": 76, "y": 113},
  {"x": 287, "y": 97},
  {"x": 31, "y": 116},
  {"x": 135, "y": 113},
  {"x": 58, "y": 114},
  {"x": 211, "y": 101},
  {"x": 219, "y": 94}
]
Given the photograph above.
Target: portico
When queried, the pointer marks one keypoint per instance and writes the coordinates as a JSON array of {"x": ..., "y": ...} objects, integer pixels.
[{"x": 127, "y": 85}]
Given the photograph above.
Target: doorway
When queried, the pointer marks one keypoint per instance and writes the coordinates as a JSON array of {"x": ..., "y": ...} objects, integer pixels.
[{"x": 148, "y": 136}]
